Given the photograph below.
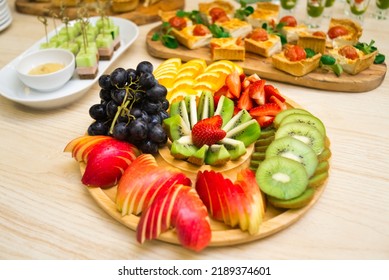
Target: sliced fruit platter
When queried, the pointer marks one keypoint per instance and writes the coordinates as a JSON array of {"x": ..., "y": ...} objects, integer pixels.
[
  {"x": 196, "y": 166},
  {"x": 276, "y": 48}
]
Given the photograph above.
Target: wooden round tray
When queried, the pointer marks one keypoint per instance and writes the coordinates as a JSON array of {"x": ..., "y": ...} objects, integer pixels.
[{"x": 222, "y": 235}]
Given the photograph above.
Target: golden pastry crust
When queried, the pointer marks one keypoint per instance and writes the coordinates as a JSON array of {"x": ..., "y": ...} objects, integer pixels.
[
  {"x": 227, "y": 48},
  {"x": 353, "y": 28},
  {"x": 296, "y": 68},
  {"x": 186, "y": 38},
  {"x": 264, "y": 48},
  {"x": 120, "y": 6},
  {"x": 236, "y": 27},
  {"x": 265, "y": 12},
  {"x": 354, "y": 66},
  {"x": 205, "y": 7},
  {"x": 316, "y": 43}
]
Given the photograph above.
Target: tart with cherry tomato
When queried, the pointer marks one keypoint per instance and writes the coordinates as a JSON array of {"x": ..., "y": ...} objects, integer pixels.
[
  {"x": 351, "y": 59},
  {"x": 259, "y": 41},
  {"x": 343, "y": 32},
  {"x": 295, "y": 60},
  {"x": 194, "y": 36}
]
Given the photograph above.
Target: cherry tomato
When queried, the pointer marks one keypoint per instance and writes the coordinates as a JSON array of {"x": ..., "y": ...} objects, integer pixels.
[
  {"x": 289, "y": 21},
  {"x": 177, "y": 22},
  {"x": 337, "y": 31},
  {"x": 200, "y": 30},
  {"x": 319, "y": 34},
  {"x": 295, "y": 53},
  {"x": 349, "y": 52},
  {"x": 217, "y": 13},
  {"x": 259, "y": 34}
]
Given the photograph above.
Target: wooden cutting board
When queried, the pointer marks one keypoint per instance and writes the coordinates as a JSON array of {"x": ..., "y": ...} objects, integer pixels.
[
  {"x": 141, "y": 15},
  {"x": 367, "y": 80}
]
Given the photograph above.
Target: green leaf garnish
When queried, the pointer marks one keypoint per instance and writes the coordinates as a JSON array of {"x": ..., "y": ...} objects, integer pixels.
[
  {"x": 309, "y": 52},
  {"x": 218, "y": 31}
]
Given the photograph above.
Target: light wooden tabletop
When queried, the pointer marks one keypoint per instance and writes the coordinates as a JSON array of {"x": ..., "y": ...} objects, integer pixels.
[{"x": 46, "y": 213}]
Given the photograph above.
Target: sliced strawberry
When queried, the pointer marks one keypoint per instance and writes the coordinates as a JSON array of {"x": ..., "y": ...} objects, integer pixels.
[
  {"x": 257, "y": 92},
  {"x": 268, "y": 109},
  {"x": 208, "y": 131},
  {"x": 270, "y": 90},
  {"x": 234, "y": 84},
  {"x": 245, "y": 102},
  {"x": 265, "y": 121},
  {"x": 274, "y": 99}
]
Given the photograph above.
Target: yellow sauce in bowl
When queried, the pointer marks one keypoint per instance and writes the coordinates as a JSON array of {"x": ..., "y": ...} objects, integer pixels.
[{"x": 46, "y": 68}]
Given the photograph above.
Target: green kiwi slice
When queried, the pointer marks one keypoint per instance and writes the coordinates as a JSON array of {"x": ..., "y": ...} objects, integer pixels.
[
  {"x": 292, "y": 148},
  {"x": 297, "y": 202},
  {"x": 305, "y": 133},
  {"x": 308, "y": 119},
  {"x": 281, "y": 177},
  {"x": 283, "y": 114}
]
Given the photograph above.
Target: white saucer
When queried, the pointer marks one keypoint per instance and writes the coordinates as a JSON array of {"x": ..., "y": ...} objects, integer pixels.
[{"x": 13, "y": 89}]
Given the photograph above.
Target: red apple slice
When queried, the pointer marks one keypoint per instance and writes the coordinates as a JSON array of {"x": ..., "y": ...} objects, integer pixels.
[
  {"x": 106, "y": 158},
  {"x": 181, "y": 208},
  {"x": 238, "y": 203}
]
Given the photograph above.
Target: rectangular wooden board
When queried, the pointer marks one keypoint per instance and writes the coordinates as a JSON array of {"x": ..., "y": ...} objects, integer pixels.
[
  {"x": 367, "y": 80},
  {"x": 140, "y": 16}
]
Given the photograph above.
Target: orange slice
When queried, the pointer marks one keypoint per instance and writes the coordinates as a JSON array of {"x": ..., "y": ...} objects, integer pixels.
[
  {"x": 217, "y": 79},
  {"x": 224, "y": 66},
  {"x": 179, "y": 94}
]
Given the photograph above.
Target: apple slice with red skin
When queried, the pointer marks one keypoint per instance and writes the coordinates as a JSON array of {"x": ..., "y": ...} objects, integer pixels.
[
  {"x": 239, "y": 203},
  {"x": 133, "y": 177},
  {"x": 81, "y": 146},
  {"x": 143, "y": 181},
  {"x": 106, "y": 158},
  {"x": 182, "y": 209},
  {"x": 192, "y": 224},
  {"x": 205, "y": 188}
]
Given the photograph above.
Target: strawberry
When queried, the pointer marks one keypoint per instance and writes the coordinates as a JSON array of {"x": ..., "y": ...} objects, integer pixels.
[
  {"x": 208, "y": 131},
  {"x": 257, "y": 91},
  {"x": 268, "y": 109},
  {"x": 270, "y": 90},
  {"x": 245, "y": 101},
  {"x": 233, "y": 83},
  {"x": 274, "y": 99},
  {"x": 265, "y": 121}
]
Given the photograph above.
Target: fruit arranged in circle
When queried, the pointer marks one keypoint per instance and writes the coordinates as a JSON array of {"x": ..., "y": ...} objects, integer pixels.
[
  {"x": 202, "y": 134},
  {"x": 292, "y": 160}
]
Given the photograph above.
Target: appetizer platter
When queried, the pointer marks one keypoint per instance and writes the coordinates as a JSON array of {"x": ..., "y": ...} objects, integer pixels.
[
  {"x": 207, "y": 167},
  {"x": 12, "y": 88},
  {"x": 138, "y": 11},
  {"x": 224, "y": 33}
]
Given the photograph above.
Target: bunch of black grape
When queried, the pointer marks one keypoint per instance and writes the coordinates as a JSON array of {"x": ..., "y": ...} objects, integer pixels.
[{"x": 132, "y": 108}]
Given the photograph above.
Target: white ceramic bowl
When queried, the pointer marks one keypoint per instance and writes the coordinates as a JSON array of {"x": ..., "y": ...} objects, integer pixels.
[{"x": 46, "y": 82}]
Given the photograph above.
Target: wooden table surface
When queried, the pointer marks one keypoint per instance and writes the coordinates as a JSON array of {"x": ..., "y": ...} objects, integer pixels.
[{"x": 46, "y": 213}]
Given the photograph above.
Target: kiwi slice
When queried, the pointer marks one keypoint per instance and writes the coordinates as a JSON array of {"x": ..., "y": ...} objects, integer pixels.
[
  {"x": 305, "y": 133},
  {"x": 281, "y": 177},
  {"x": 318, "y": 179},
  {"x": 281, "y": 115},
  {"x": 308, "y": 119},
  {"x": 183, "y": 148},
  {"x": 217, "y": 155},
  {"x": 241, "y": 117},
  {"x": 297, "y": 202},
  {"x": 225, "y": 108},
  {"x": 176, "y": 127},
  {"x": 198, "y": 158},
  {"x": 234, "y": 147},
  {"x": 292, "y": 148}
]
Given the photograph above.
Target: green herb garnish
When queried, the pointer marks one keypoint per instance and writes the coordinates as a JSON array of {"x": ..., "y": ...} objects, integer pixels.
[
  {"x": 164, "y": 35},
  {"x": 244, "y": 11}
]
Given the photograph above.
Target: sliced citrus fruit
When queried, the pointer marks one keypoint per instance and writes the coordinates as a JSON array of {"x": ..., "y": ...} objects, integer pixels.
[
  {"x": 179, "y": 94},
  {"x": 197, "y": 61}
]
